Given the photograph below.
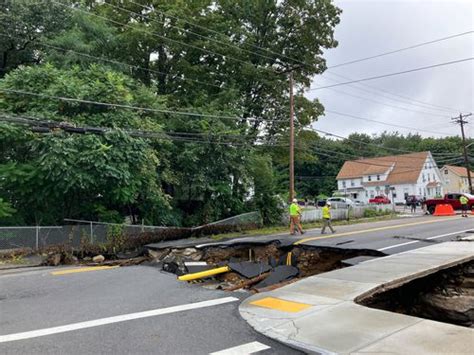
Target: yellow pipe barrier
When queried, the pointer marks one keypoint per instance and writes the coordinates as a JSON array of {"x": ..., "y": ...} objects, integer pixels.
[{"x": 202, "y": 274}]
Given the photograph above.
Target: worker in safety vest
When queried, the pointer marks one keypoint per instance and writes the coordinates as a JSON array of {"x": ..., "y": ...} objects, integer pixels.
[
  {"x": 295, "y": 215},
  {"x": 327, "y": 218},
  {"x": 464, "y": 205}
]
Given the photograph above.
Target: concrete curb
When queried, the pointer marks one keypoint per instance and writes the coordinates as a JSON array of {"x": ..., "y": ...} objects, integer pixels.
[{"x": 333, "y": 323}]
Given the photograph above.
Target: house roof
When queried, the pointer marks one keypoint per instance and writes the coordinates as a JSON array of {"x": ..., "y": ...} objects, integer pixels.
[
  {"x": 406, "y": 168},
  {"x": 458, "y": 170}
]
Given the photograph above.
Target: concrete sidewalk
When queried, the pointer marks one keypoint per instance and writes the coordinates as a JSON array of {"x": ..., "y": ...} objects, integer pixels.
[{"x": 320, "y": 314}]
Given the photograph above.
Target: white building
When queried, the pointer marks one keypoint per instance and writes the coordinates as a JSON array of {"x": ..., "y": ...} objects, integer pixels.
[
  {"x": 455, "y": 179},
  {"x": 393, "y": 176}
]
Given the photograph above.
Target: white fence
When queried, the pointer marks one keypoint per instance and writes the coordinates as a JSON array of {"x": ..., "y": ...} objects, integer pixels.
[{"x": 315, "y": 214}]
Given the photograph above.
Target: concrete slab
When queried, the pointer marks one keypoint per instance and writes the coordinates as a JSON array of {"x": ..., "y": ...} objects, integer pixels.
[
  {"x": 330, "y": 288},
  {"x": 423, "y": 259},
  {"x": 317, "y": 303},
  {"x": 342, "y": 336},
  {"x": 365, "y": 276},
  {"x": 358, "y": 260},
  {"x": 336, "y": 324},
  {"x": 425, "y": 337},
  {"x": 456, "y": 248}
]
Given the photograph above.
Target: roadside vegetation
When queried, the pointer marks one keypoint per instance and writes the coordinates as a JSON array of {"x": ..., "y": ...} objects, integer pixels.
[{"x": 212, "y": 138}]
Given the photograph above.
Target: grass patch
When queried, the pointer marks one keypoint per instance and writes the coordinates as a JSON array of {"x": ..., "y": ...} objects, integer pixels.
[{"x": 306, "y": 226}]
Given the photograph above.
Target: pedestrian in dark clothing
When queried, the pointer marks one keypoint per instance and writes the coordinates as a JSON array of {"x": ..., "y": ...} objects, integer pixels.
[{"x": 413, "y": 206}]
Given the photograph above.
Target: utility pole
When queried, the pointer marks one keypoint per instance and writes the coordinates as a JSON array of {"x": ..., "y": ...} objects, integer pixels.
[
  {"x": 292, "y": 141},
  {"x": 461, "y": 121}
]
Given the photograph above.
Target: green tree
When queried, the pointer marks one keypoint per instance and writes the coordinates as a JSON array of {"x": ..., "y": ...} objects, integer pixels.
[
  {"x": 23, "y": 25},
  {"x": 53, "y": 176}
]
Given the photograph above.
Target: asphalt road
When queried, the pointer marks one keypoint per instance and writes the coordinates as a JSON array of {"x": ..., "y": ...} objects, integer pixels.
[
  {"x": 34, "y": 302},
  {"x": 389, "y": 237}
]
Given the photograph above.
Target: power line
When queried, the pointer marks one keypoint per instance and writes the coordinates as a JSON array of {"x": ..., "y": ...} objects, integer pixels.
[
  {"x": 385, "y": 104},
  {"x": 407, "y": 100},
  {"x": 366, "y": 143},
  {"x": 160, "y": 36},
  {"x": 393, "y": 74},
  {"x": 145, "y": 109},
  {"x": 383, "y": 123},
  {"x": 221, "y": 34},
  {"x": 361, "y": 161},
  {"x": 187, "y": 31},
  {"x": 65, "y": 126},
  {"x": 113, "y": 61},
  {"x": 400, "y": 50}
]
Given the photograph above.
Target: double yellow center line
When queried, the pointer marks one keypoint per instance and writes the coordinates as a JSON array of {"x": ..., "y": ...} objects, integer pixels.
[{"x": 371, "y": 230}]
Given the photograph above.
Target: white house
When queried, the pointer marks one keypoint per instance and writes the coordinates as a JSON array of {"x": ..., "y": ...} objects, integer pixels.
[
  {"x": 393, "y": 176},
  {"x": 455, "y": 179}
]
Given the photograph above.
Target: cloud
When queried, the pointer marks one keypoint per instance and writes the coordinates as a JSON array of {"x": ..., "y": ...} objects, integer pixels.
[{"x": 372, "y": 27}]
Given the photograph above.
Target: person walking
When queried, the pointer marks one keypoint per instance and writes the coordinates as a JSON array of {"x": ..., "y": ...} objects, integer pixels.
[
  {"x": 295, "y": 216},
  {"x": 327, "y": 218},
  {"x": 464, "y": 205},
  {"x": 423, "y": 205},
  {"x": 413, "y": 205}
]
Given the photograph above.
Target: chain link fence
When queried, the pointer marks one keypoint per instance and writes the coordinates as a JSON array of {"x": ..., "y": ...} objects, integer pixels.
[{"x": 78, "y": 233}]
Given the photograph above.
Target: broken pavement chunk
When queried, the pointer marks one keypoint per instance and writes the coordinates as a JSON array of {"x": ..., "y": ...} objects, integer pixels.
[
  {"x": 279, "y": 274},
  {"x": 196, "y": 266},
  {"x": 249, "y": 269}
]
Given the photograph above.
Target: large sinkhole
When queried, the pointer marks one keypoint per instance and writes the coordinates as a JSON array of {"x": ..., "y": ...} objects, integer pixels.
[
  {"x": 445, "y": 296},
  {"x": 257, "y": 268}
]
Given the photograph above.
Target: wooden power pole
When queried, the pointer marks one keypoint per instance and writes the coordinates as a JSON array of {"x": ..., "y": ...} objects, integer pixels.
[
  {"x": 461, "y": 121},
  {"x": 292, "y": 141}
]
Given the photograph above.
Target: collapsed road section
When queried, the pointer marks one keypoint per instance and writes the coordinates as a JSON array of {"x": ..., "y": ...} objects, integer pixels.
[
  {"x": 255, "y": 265},
  {"x": 446, "y": 296}
]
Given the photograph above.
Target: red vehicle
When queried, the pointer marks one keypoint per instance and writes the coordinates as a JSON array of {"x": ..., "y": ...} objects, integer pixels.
[
  {"x": 380, "y": 200},
  {"x": 450, "y": 198}
]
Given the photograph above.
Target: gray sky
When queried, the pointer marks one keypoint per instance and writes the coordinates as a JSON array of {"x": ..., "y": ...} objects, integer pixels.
[{"x": 370, "y": 27}]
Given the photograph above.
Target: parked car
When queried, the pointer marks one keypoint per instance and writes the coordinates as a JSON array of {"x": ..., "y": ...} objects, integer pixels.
[
  {"x": 380, "y": 200},
  {"x": 359, "y": 203},
  {"x": 451, "y": 199},
  {"x": 341, "y": 200}
]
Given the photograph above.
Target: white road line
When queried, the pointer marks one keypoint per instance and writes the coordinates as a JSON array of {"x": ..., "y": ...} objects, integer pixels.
[
  {"x": 248, "y": 348},
  {"x": 115, "y": 319},
  {"x": 418, "y": 241}
]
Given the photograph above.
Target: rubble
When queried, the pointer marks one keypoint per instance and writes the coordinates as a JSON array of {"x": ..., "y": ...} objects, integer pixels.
[
  {"x": 98, "y": 259},
  {"x": 53, "y": 259},
  {"x": 250, "y": 266}
]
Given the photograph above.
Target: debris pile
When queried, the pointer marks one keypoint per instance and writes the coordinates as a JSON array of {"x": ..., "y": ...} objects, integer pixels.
[{"x": 253, "y": 267}]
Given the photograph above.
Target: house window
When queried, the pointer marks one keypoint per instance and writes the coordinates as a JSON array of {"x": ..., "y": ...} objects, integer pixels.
[
  {"x": 352, "y": 183},
  {"x": 419, "y": 191},
  {"x": 423, "y": 176},
  {"x": 394, "y": 194},
  {"x": 343, "y": 184},
  {"x": 370, "y": 178},
  {"x": 378, "y": 177},
  {"x": 366, "y": 194},
  {"x": 446, "y": 172}
]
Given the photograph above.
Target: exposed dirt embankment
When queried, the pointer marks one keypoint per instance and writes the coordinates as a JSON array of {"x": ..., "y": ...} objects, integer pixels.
[{"x": 446, "y": 296}]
